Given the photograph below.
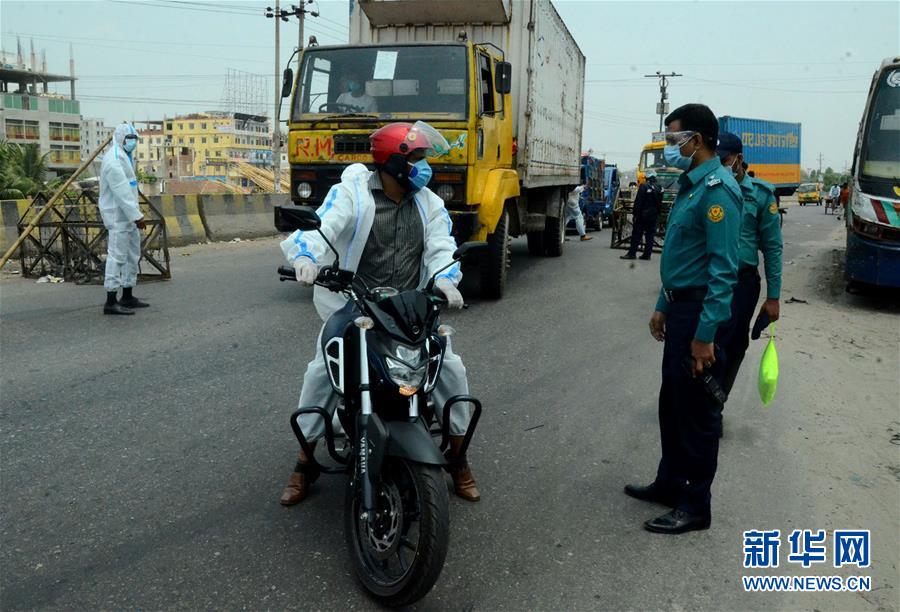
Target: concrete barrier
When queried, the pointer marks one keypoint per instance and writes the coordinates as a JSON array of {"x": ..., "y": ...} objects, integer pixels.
[
  {"x": 232, "y": 216},
  {"x": 184, "y": 225},
  {"x": 11, "y": 211}
]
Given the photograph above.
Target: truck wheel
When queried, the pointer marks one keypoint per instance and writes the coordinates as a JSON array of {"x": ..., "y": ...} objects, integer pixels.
[
  {"x": 495, "y": 263},
  {"x": 555, "y": 227},
  {"x": 536, "y": 242}
]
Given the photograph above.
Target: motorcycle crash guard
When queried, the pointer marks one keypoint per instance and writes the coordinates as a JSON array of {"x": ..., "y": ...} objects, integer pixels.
[{"x": 413, "y": 442}]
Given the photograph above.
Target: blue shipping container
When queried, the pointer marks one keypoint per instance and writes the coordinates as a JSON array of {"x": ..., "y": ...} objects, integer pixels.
[{"x": 771, "y": 148}]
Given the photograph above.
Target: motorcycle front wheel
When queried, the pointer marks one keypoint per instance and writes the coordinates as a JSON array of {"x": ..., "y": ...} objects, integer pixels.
[{"x": 398, "y": 553}]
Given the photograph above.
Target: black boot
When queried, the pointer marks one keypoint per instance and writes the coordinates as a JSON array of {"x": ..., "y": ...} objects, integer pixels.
[
  {"x": 116, "y": 309},
  {"x": 129, "y": 301},
  {"x": 628, "y": 256}
]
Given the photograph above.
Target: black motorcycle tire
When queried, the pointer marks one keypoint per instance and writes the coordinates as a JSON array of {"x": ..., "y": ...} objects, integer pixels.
[{"x": 433, "y": 540}]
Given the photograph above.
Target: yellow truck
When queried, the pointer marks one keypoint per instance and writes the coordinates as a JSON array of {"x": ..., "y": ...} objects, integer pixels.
[{"x": 503, "y": 80}]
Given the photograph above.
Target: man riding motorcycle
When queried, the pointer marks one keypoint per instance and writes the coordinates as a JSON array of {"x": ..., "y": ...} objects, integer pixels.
[{"x": 392, "y": 231}]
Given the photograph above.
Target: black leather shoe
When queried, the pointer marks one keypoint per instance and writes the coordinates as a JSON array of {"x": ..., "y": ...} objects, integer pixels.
[
  {"x": 133, "y": 303},
  {"x": 645, "y": 257},
  {"x": 677, "y": 521},
  {"x": 116, "y": 309},
  {"x": 650, "y": 493},
  {"x": 628, "y": 256}
]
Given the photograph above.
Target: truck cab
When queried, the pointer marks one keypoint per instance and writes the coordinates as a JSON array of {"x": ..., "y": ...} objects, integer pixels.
[{"x": 489, "y": 76}]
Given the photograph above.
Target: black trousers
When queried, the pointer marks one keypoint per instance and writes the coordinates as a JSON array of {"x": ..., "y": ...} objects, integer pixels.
[
  {"x": 689, "y": 419},
  {"x": 737, "y": 338},
  {"x": 645, "y": 230}
]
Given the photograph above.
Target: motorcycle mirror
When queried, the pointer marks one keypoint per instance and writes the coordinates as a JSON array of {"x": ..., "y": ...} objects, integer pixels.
[
  {"x": 469, "y": 249},
  {"x": 288, "y": 219}
]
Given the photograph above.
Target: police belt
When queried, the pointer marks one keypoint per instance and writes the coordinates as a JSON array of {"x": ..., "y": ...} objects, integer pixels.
[
  {"x": 689, "y": 294},
  {"x": 748, "y": 272}
]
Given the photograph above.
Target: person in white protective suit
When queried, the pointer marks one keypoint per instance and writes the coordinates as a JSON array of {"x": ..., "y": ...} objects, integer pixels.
[
  {"x": 573, "y": 211},
  {"x": 392, "y": 231},
  {"x": 123, "y": 220}
]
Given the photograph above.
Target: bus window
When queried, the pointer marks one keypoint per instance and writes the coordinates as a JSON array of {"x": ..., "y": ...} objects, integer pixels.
[{"x": 880, "y": 153}]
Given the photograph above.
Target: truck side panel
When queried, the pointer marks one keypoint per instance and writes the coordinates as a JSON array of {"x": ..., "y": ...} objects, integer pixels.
[
  {"x": 548, "y": 80},
  {"x": 771, "y": 148},
  {"x": 554, "y": 108}
]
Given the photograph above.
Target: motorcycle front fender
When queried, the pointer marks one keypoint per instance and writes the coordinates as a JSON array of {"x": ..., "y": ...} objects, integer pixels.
[{"x": 413, "y": 442}]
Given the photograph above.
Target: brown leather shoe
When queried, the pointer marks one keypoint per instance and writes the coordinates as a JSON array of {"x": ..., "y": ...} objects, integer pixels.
[
  {"x": 463, "y": 481},
  {"x": 301, "y": 479}
]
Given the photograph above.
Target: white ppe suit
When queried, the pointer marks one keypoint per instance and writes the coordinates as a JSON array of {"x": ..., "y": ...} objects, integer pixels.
[
  {"x": 119, "y": 209},
  {"x": 573, "y": 210},
  {"x": 347, "y": 216}
]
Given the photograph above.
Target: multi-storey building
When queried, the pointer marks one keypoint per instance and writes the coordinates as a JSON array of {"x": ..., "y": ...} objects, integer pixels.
[
  {"x": 203, "y": 145},
  {"x": 31, "y": 114},
  {"x": 93, "y": 133}
]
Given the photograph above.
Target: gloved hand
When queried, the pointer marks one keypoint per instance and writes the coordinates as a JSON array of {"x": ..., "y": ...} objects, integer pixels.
[
  {"x": 449, "y": 290},
  {"x": 306, "y": 271}
]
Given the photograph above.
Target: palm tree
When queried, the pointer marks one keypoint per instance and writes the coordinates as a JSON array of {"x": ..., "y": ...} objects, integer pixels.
[{"x": 23, "y": 169}]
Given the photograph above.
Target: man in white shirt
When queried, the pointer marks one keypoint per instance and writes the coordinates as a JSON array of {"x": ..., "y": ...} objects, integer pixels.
[{"x": 355, "y": 99}]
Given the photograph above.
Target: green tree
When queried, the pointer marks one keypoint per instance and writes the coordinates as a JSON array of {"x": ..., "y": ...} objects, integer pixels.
[{"x": 23, "y": 169}]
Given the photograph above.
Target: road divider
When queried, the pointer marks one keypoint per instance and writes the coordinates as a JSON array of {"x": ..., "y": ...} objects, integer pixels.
[
  {"x": 190, "y": 219},
  {"x": 229, "y": 216}
]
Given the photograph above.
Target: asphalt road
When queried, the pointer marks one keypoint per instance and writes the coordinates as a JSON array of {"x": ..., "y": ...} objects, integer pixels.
[{"x": 143, "y": 457}]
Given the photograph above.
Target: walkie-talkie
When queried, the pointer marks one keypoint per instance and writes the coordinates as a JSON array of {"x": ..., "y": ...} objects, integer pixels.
[{"x": 710, "y": 385}]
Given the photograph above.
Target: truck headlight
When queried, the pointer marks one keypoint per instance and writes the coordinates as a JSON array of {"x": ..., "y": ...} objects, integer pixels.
[
  {"x": 446, "y": 192},
  {"x": 304, "y": 190}
]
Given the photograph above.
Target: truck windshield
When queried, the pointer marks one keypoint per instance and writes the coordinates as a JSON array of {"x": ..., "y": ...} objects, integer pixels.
[
  {"x": 420, "y": 81},
  {"x": 652, "y": 159},
  {"x": 880, "y": 154}
]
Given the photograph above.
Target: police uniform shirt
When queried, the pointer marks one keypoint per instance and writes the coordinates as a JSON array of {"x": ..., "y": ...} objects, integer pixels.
[
  {"x": 702, "y": 240},
  {"x": 761, "y": 231}
]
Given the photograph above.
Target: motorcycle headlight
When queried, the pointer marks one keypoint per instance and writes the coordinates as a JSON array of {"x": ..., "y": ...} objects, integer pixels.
[{"x": 407, "y": 366}]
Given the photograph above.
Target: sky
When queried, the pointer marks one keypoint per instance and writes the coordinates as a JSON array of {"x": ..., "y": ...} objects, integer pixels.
[{"x": 807, "y": 61}]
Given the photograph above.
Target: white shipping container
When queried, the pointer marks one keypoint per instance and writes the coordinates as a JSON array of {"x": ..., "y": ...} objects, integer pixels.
[{"x": 547, "y": 67}]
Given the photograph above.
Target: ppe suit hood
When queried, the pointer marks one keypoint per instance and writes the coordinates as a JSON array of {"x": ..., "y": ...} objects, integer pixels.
[{"x": 122, "y": 130}]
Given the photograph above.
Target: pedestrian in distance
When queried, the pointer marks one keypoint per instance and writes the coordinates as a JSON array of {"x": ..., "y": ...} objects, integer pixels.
[
  {"x": 398, "y": 233},
  {"x": 573, "y": 211},
  {"x": 760, "y": 231},
  {"x": 123, "y": 220},
  {"x": 698, "y": 269},
  {"x": 647, "y": 203}
]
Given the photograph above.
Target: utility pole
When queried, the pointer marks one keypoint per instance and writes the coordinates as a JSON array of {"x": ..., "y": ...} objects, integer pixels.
[
  {"x": 662, "y": 108},
  {"x": 819, "y": 175},
  {"x": 278, "y": 15}
]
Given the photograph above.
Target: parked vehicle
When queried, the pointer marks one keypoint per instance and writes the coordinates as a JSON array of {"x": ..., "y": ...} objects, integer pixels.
[
  {"x": 503, "y": 81},
  {"x": 873, "y": 213},
  {"x": 594, "y": 201},
  {"x": 810, "y": 193},
  {"x": 771, "y": 150},
  {"x": 384, "y": 352}
]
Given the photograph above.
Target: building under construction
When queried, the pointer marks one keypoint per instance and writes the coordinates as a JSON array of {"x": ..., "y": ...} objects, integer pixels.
[{"x": 30, "y": 113}]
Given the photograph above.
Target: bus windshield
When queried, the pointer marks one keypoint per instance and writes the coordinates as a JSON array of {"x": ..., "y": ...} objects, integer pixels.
[
  {"x": 425, "y": 81},
  {"x": 879, "y": 153}
]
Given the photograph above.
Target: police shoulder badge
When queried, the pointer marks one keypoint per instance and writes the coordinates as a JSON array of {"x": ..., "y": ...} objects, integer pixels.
[
  {"x": 773, "y": 208},
  {"x": 715, "y": 213},
  {"x": 713, "y": 181}
]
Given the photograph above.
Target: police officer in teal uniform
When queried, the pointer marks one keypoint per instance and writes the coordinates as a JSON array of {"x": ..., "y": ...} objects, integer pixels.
[
  {"x": 760, "y": 231},
  {"x": 699, "y": 270}
]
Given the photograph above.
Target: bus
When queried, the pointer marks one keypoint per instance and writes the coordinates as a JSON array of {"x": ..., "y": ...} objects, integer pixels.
[{"x": 873, "y": 210}]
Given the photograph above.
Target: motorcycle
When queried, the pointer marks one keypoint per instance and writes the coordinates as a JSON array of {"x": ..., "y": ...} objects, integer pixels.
[{"x": 384, "y": 350}]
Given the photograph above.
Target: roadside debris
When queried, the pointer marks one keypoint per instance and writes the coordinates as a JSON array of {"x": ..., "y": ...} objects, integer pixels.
[
  {"x": 50, "y": 279},
  {"x": 794, "y": 300}
]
